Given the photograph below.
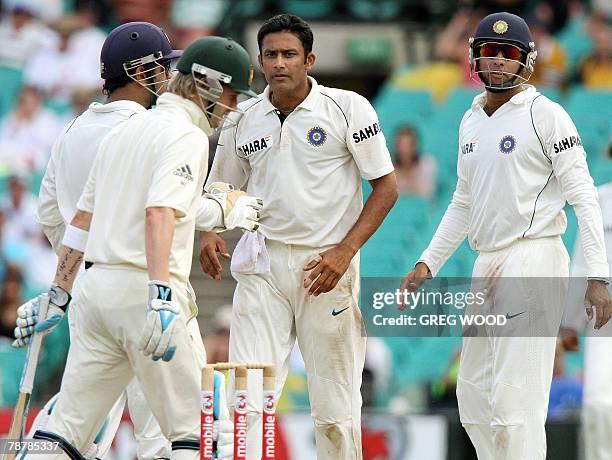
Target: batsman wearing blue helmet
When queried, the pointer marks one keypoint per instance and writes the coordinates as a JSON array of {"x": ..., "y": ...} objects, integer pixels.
[{"x": 520, "y": 160}]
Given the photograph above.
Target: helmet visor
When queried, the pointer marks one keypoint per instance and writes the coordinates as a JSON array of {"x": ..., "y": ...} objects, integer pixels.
[{"x": 492, "y": 50}]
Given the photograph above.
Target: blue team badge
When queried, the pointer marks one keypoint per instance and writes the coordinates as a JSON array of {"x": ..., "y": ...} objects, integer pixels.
[
  {"x": 507, "y": 144},
  {"x": 316, "y": 136}
]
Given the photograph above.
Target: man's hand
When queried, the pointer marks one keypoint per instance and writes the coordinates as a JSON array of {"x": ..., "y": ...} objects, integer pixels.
[
  {"x": 597, "y": 296},
  {"x": 157, "y": 338},
  {"x": 413, "y": 280},
  {"x": 210, "y": 245},
  {"x": 29, "y": 320},
  {"x": 239, "y": 209},
  {"x": 569, "y": 339},
  {"x": 327, "y": 268}
]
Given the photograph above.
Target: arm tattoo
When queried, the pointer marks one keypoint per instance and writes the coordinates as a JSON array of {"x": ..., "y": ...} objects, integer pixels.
[{"x": 69, "y": 265}]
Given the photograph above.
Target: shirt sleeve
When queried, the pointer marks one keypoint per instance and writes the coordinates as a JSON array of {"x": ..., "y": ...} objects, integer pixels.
[
  {"x": 48, "y": 208},
  {"x": 453, "y": 227},
  {"x": 574, "y": 316},
  {"x": 176, "y": 173},
  {"x": 87, "y": 200},
  {"x": 563, "y": 146},
  {"x": 228, "y": 166},
  {"x": 366, "y": 141}
]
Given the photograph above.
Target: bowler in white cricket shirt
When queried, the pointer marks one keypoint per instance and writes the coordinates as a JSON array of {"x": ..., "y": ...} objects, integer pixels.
[{"x": 303, "y": 148}]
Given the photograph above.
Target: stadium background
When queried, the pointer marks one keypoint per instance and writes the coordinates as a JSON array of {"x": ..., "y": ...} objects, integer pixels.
[{"x": 409, "y": 57}]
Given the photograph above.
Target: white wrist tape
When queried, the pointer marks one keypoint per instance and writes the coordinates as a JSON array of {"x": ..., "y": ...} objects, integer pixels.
[{"x": 75, "y": 238}]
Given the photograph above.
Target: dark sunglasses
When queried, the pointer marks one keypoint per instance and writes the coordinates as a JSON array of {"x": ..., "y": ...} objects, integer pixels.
[{"x": 491, "y": 50}]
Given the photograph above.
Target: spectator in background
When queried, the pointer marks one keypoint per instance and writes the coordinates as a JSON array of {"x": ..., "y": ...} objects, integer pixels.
[
  {"x": 596, "y": 68},
  {"x": 565, "y": 391},
  {"x": 376, "y": 373},
  {"x": 415, "y": 173},
  {"x": 153, "y": 11},
  {"x": 81, "y": 100},
  {"x": 44, "y": 10},
  {"x": 552, "y": 64},
  {"x": 196, "y": 18},
  {"x": 10, "y": 299},
  {"x": 452, "y": 43},
  {"x": 19, "y": 210},
  {"x": 216, "y": 340},
  {"x": 40, "y": 262},
  {"x": 442, "y": 392},
  {"x": 74, "y": 63},
  {"x": 28, "y": 132},
  {"x": 22, "y": 35}
]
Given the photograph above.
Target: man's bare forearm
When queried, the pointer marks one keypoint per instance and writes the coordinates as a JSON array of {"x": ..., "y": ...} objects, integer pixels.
[
  {"x": 376, "y": 208},
  {"x": 159, "y": 231},
  {"x": 68, "y": 264},
  {"x": 69, "y": 259}
]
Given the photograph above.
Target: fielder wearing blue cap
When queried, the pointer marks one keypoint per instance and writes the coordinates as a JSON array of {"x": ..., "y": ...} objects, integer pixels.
[{"x": 520, "y": 160}]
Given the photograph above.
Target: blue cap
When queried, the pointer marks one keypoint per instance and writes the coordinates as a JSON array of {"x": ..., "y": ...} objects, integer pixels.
[
  {"x": 506, "y": 28},
  {"x": 134, "y": 43}
]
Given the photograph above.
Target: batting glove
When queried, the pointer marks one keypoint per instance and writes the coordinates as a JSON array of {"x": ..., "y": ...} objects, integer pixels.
[
  {"x": 28, "y": 320},
  {"x": 239, "y": 209},
  {"x": 223, "y": 428},
  {"x": 162, "y": 317}
]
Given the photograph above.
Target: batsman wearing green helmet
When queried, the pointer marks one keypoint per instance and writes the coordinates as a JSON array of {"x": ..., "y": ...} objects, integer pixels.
[{"x": 134, "y": 223}]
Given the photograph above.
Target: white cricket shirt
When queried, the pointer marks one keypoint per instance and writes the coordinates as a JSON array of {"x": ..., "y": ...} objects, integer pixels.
[
  {"x": 72, "y": 157},
  {"x": 156, "y": 159},
  {"x": 516, "y": 169},
  {"x": 307, "y": 169}
]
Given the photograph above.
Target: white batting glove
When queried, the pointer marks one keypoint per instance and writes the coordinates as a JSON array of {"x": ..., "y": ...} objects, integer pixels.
[
  {"x": 28, "y": 320},
  {"x": 223, "y": 433},
  {"x": 162, "y": 317},
  {"x": 223, "y": 428},
  {"x": 239, "y": 209}
]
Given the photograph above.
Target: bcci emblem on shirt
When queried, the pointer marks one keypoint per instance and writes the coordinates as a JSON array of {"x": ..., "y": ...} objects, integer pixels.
[
  {"x": 316, "y": 136},
  {"x": 507, "y": 144}
]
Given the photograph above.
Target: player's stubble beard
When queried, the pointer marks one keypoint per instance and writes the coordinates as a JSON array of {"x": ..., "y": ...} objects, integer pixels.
[{"x": 283, "y": 95}]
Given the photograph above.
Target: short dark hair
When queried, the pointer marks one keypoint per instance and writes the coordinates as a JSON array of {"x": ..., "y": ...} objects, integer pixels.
[
  {"x": 287, "y": 23},
  {"x": 113, "y": 84}
]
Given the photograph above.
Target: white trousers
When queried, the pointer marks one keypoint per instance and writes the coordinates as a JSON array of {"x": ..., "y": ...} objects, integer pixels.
[
  {"x": 597, "y": 403},
  {"x": 270, "y": 311},
  {"x": 151, "y": 442},
  {"x": 109, "y": 315},
  {"x": 505, "y": 374}
]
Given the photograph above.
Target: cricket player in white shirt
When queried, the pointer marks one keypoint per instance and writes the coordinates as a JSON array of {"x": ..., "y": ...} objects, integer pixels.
[
  {"x": 520, "y": 159},
  {"x": 135, "y": 61},
  {"x": 154, "y": 165},
  {"x": 303, "y": 147},
  {"x": 597, "y": 399}
]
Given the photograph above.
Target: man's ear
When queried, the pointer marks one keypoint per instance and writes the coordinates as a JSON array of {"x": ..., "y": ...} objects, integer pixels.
[
  {"x": 139, "y": 73},
  {"x": 259, "y": 60},
  {"x": 310, "y": 60}
]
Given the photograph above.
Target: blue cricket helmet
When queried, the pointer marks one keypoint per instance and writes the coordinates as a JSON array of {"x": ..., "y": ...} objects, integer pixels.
[{"x": 132, "y": 44}]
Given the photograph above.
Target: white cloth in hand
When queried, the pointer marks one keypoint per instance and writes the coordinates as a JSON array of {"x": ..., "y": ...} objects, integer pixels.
[{"x": 251, "y": 255}]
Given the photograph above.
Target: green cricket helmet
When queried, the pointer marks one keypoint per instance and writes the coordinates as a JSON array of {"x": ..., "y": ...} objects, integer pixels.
[{"x": 222, "y": 61}]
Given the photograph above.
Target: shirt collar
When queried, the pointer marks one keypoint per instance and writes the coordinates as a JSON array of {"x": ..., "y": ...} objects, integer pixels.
[
  {"x": 308, "y": 103},
  {"x": 527, "y": 95},
  {"x": 174, "y": 103},
  {"x": 117, "y": 105}
]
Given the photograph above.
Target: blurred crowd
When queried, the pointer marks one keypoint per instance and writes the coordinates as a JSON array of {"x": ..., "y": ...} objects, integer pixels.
[{"x": 49, "y": 73}]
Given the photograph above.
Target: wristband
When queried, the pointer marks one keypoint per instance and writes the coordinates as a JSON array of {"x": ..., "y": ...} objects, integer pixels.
[{"x": 75, "y": 238}]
